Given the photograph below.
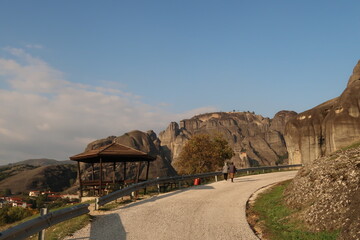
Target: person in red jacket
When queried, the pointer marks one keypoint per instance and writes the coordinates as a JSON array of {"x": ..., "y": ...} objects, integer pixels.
[{"x": 232, "y": 171}]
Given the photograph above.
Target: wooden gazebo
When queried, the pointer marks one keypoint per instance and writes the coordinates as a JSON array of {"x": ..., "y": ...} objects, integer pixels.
[{"x": 112, "y": 153}]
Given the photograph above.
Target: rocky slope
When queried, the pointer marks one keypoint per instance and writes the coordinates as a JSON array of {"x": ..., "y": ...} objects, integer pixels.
[
  {"x": 327, "y": 192},
  {"x": 326, "y": 127},
  {"x": 256, "y": 140}
]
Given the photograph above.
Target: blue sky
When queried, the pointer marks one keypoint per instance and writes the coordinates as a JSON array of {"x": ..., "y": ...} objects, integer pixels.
[{"x": 75, "y": 71}]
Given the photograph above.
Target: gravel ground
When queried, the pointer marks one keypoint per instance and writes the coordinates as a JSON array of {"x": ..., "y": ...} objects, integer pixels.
[{"x": 213, "y": 211}]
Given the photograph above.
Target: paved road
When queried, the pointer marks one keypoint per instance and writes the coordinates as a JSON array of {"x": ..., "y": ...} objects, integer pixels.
[{"x": 213, "y": 211}]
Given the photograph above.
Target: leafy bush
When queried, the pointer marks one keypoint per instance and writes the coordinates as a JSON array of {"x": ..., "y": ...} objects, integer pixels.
[{"x": 12, "y": 214}]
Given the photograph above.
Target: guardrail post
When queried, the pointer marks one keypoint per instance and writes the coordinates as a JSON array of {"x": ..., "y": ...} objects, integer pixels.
[
  {"x": 158, "y": 186},
  {"x": 216, "y": 179},
  {"x": 96, "y": 203},
  {"x": 43, "y": 211},
  {"x": 179, "y": 184}
]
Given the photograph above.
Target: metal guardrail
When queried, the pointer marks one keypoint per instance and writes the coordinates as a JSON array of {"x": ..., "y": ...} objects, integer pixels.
[
  {"x": 35, "y": 225},
  {"x": 177, "y": 179}
]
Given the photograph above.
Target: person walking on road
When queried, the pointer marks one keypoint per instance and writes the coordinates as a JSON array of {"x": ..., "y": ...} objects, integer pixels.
[
  {"x": 225, "y": 171},
  {"x": 232, "y": 171}
]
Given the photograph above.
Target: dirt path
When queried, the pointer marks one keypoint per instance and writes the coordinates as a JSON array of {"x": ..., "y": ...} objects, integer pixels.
[{"x": 213, "y": 211}]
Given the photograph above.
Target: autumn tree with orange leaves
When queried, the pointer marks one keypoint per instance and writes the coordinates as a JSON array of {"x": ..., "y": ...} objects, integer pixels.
[{"x": 203, "y": 153}]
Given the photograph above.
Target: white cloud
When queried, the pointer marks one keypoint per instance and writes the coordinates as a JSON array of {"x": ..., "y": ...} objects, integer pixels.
[
  {"x": 44, "y": 115},
  {"x": 34, "y": 46},
  {"x": 33, "y": 76}
]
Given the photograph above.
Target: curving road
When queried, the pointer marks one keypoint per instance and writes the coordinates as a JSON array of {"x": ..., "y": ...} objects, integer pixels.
[{"x": 213, "y": 211}]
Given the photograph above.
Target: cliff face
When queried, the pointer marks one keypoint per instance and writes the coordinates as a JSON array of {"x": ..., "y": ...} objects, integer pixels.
[
  {"x": 327, "y": 127},
  {"x": 256, "y": 140}
]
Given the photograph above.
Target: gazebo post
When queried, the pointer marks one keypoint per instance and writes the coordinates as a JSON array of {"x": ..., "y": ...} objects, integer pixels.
[
  {"x": 147, "y": 174},
  {"x": 124, "y": 172},
  {"x": 147, "y": 170},
  {"x": 138, "y": 172},
  {"x": 137, "y": 177},
  {"x": 80, "y": 182},
  {"x": 93, "y": 175},
  {"x": 114, "y": 173},
  {"x": 101, "y": 176}
]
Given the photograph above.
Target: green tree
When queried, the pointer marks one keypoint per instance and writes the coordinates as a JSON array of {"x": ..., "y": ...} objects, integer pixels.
[
  {"x": 6, "y": 192},
  {"x": 41, "y": 200},
  {"x": 17, "y": 213},
  {"x": 3, "y": 215},
  {"x": 203, "y": 153}
]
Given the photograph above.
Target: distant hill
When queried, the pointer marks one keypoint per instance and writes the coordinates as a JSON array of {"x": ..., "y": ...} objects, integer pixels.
[
  {"x": 41, "y": 162},
  {"x": 37, "y": 174},
  {"x": 24, "y": 178}
]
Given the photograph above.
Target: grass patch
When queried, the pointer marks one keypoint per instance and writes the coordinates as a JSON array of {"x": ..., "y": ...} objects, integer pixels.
[
  {"x": 63, "y": 229},
  {"x": 275, "y": 217},
  {"x": 354, "y": 145},
  {"x": 59, "y": 230}
]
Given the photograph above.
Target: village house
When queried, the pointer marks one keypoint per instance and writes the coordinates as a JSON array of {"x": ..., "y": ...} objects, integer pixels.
[
  {"x": 48, "y": 193},
  {"x": 2, "y": 202},
  {"x": 70, "y": 196},
  {"x": 34, "y": 193},
  {"x": 13, "y": 202}
]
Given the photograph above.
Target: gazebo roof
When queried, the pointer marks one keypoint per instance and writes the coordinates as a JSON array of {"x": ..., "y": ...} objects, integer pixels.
[{"x": 113, "y": 152}]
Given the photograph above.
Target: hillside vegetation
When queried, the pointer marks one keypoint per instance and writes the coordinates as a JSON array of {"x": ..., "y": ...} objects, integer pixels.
[
  {"x": 25, "y": 178},
  {"x": 11, "y": 170}
]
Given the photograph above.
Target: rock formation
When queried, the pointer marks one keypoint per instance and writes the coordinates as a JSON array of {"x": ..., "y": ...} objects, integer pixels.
[
  {"x": 256, "y": 140},
  {"x": 327, "y": 127}
]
